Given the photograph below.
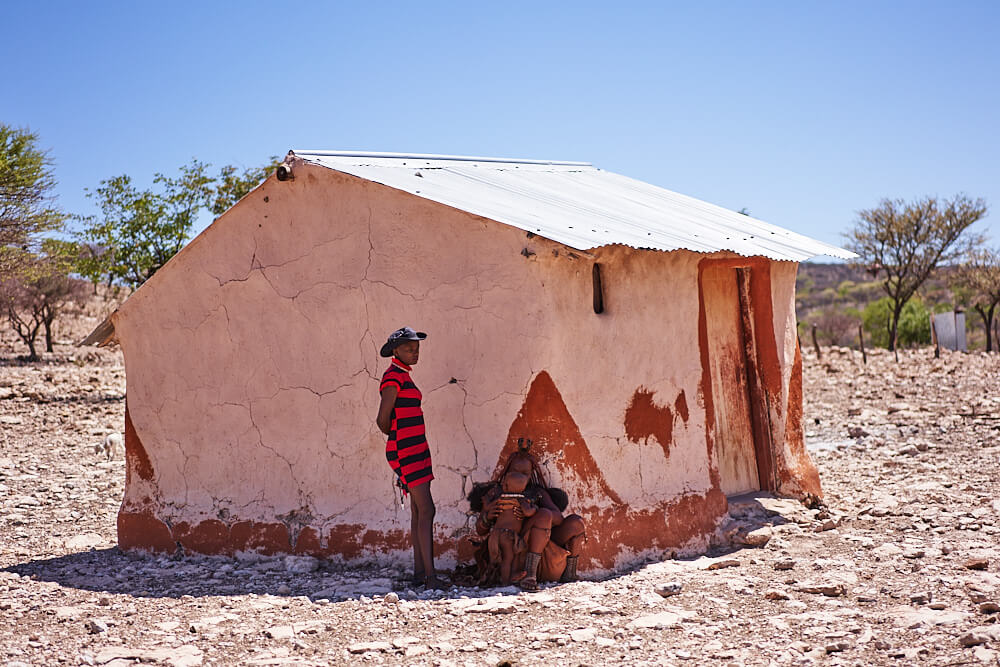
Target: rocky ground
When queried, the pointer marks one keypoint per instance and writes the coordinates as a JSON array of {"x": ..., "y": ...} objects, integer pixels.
[{"x": 901, "y": 567}]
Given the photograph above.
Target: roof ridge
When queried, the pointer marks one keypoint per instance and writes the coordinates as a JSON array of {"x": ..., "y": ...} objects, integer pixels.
[{"x": 432, "y": 156}]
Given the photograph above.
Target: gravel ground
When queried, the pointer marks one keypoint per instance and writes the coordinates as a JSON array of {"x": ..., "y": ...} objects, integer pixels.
[{"x": 899, "y": 568}]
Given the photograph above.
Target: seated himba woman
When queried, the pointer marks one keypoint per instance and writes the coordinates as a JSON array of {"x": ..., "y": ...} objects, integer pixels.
[
  {"x": 510, "y": 507},
  {"x": 553, "y": 541}
]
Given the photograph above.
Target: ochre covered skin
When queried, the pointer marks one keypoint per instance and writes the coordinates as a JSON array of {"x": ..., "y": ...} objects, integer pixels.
[{"x": 252, "y": 376}]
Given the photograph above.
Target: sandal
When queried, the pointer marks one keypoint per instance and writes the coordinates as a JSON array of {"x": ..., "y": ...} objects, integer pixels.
[{"x": 529, "y": 584}]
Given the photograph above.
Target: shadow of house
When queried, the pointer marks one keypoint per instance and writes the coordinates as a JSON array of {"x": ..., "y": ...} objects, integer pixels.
[{"x": 644, "y": 340}]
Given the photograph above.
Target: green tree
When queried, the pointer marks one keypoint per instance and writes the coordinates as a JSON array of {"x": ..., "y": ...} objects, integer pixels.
[
  {"x": 909, "y": 240},
  {"x": 914, "y": 324},
  {"x": 27, "y": 200},
  {"x": 138, "y": 231},
  {"x": 979, "y": 279},
  {"x": 232, "y": 184}
]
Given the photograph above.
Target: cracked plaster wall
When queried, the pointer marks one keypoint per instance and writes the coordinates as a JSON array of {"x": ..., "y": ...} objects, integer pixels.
[{"x": 252, "y": 365}]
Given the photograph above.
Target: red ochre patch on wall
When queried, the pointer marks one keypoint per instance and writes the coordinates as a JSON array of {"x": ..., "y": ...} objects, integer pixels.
[
  {"x": 136, "y": 459},
  {"x": 556, "y": 438},
  {"x": 612, "y": 530},
  {"x": 645, "y": 419},
  {"x": 142, "y": 530},
  {"x": 769, "y": 367},
  {"x": 664, "y": 527},
  {"x": 806, "y": 478}
]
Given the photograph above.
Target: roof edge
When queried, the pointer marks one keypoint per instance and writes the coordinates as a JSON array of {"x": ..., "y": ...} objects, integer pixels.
[
  {"x": 102, "y": 335},
  {"x": 431, "y": 156}
]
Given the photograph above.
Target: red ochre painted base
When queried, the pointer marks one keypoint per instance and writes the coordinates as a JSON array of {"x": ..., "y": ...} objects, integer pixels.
[
  {"x": 615, "y": 531},
  {"x": 610, "y": 532}
]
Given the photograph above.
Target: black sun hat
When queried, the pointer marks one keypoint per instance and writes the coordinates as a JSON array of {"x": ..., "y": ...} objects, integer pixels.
[{"x": 398, "y": 337}]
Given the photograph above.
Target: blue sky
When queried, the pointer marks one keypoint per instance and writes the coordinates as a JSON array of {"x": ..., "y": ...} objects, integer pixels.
[{"x": 802, "y": 112}]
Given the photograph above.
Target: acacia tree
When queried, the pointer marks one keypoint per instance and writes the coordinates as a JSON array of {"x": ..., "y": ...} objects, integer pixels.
[
  {"x": 41, "y": 290},
  {"x": 909, "y": 240},
  {"x": 27, "y": 201},
  {"x": 980, "y": 277},
  {"x": 232, "y": 184},
  {"x": 140, "y": 230}
]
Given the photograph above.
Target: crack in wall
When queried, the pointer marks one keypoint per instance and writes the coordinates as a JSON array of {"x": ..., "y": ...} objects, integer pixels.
[
  {"x": 475, "y": 450},
  {"x": 260, "y": 441},
  {"x": 253, "y": 263},
  {"x": 319, "y": 394},
  {"x": 368, "y": 344}
]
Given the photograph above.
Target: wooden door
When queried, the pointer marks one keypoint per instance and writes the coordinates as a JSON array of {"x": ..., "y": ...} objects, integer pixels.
[{"x": 734, "y": 441}]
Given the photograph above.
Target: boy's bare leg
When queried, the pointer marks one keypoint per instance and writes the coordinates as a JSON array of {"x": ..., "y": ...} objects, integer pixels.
[
  {"x": 418, "y": 560},
  {"x": 424, "y": 533}
]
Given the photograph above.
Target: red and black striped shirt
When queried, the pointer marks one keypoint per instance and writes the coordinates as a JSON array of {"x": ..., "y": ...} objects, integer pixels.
[{"x": 406, "y": 449}]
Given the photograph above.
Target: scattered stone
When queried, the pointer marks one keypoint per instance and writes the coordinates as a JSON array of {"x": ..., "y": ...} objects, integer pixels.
[
  {"x": 602, "y": 610},
  {"x": 68, "y": 612},
  {"x": 973, "y": 639},
  {"x": 391, "y": 598},
  {"x": 583, "y": 635},
  {"x": 985, "y": 655},
  {"x": 829, "y": 524},
  {"x": 916, "y": 618},
  {"x": 301, "y": 564},
  {"x": 669, "y": 589},
  {"x": 280, "y": 632},
  {"x": 185, "y": 655},
  {"x": 722, "y": 564},
  {"x": 664, "y": 619},
  {"x": 989, "y": 608},
  {"x": 370, "y": 647},
  {"x": 95, "y": 626},
  {"x": 784, "y": 564},
  {"x": 775, "y": 594},
  {"x": 759, "y": 537},
  {"x": 976, "y": 564},
  {"x": 921, "y": 598},
  {"x": 493, "y": 606},
  {"x": 829, "y": 590},
  {"x": 84, "y": 541},
  {"x": 403, "y": 642}
]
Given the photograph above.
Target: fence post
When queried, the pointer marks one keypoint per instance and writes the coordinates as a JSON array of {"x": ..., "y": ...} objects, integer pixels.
[
  {"x": 937, "y": 343},
  {"x": 861, "y": 339},
  {"x": 819, "y": 355}
]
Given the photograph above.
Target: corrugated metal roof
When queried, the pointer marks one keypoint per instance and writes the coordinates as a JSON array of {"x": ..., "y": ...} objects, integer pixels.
[{"x": 576, "y": 204}]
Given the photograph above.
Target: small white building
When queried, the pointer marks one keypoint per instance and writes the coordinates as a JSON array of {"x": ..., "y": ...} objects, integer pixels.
[{"x": 644, "y": 340}]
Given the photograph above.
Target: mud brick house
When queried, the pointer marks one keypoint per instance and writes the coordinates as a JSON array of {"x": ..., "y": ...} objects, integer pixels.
[{"x": 644, "y": 340}]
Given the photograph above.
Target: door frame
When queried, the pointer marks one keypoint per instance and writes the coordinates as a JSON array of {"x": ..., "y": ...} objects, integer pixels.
[
  {"x": 753, "y": 283},
  {"x": 760, "y": 412}
]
